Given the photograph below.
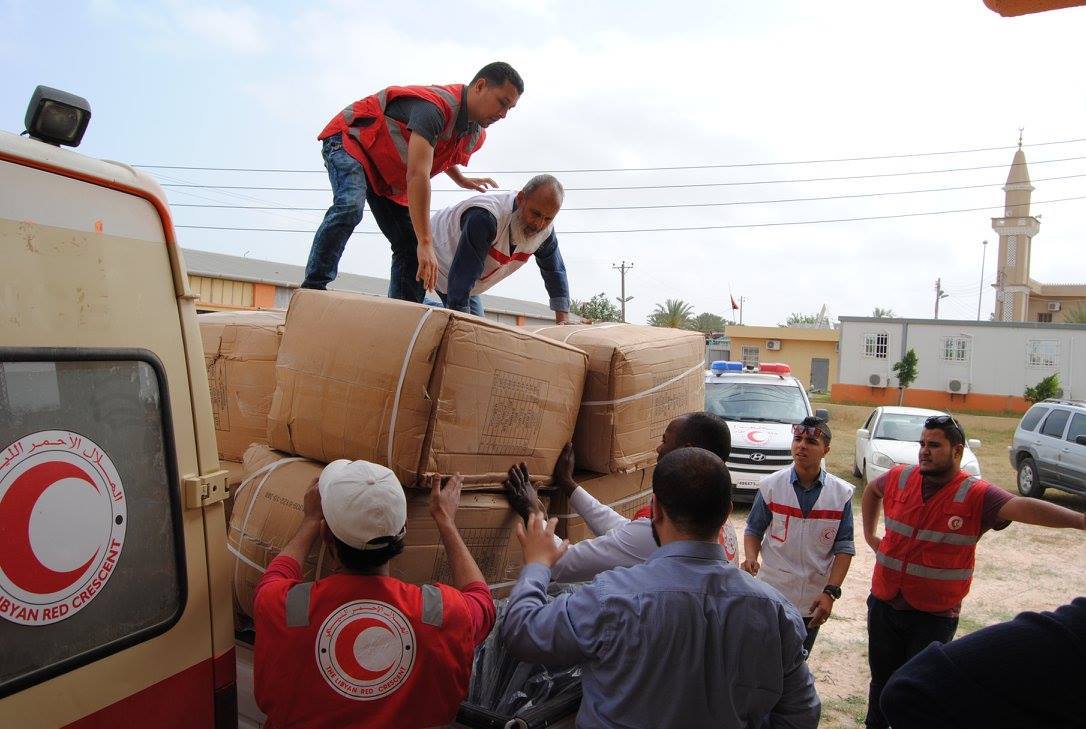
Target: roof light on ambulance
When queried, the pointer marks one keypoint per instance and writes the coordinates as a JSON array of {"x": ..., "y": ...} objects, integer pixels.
[{"x": 57, "y": 117}]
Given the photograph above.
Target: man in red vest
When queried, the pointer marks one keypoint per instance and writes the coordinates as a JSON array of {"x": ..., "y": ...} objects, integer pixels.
[
  {"x": 384, "y": 149},
  {"x": 935, "y": 514},
  {"x": 360, "y": 648}
]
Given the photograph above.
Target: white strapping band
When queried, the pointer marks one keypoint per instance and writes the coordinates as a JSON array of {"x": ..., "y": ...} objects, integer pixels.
[
  {"x": 661, "y": 386},
  {"x": 581, "y": 331},
  {"x": 620, "y": 502},
  {"x": 399, "y": 383}
]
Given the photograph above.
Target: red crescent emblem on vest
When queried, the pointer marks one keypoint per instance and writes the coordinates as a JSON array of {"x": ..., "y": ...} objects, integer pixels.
[
  {"x": 955, "y": 523},
  {"x": 366, "y": 649}
]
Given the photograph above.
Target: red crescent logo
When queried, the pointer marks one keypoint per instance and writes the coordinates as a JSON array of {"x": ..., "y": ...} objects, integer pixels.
[
  {"x": 758, "y": 436},
  {"x": 345, "y": 654},
  {"x": 17, "y": 558}
]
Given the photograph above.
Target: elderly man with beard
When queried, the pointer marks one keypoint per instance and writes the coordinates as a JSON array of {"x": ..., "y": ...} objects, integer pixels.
[
  {"x": 935, "y": 513},
  {"x": 480, "y": 241}
]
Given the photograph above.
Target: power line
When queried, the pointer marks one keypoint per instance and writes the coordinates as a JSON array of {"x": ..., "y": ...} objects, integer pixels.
[
  {"x": 681, "y": 229},
  {"x": 679, "y": 205},
  {"x": 665, "y": 187},
  {"x": 733, "y": 165}
]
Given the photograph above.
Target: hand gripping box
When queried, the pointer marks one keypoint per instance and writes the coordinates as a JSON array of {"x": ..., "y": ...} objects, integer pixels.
[
  {"x": 239, "y": 352},
  {"x": 421, "y": 389},
  {"x": 639, "y": 379}
]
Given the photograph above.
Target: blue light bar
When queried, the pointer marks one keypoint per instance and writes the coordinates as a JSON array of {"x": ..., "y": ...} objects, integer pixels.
[{"x": 723, "y": 365}]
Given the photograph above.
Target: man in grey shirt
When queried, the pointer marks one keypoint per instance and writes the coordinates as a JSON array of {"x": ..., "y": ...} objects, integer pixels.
[{"x": 684, "y": 640}]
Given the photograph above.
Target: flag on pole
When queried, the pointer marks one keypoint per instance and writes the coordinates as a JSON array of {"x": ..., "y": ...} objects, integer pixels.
[{"x": 735, "y": 306}]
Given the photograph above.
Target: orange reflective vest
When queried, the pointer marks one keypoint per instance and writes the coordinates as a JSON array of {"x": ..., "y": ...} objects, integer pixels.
[
  {"x": 379, "y": 143},
  {"x": 928, "y": 552}
]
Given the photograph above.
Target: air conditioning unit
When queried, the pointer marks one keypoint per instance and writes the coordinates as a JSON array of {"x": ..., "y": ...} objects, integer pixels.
[
  {"x": 1053, "y": 306},
  {"x": 773, "y": 345},
  {"x": 957, "y": 387},
  {"x": 877, "y": 379}
]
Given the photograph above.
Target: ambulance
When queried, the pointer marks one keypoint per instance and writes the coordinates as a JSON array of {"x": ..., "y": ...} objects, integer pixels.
[
  {"x": 760, "y": 405},
  {"x": 115, "y": 601}
]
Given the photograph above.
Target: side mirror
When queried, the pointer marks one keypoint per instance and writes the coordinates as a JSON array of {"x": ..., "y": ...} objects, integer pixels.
[
  {"x": 822, "y": 413},
  {"x": 1080, "y": 439},
  {"x": 973, "y": 443},
  {"x": 863, "y": 434}
]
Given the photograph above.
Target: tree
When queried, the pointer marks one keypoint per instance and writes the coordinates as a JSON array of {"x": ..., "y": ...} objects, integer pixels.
[
  {"x": 881, "y": 313},
  {"x": 707, "y": 323},
  {"x": 906, "y": 371},
  {"x": 796, "y": 319},
  {"x": 674, "y": 313},
  {"x": 1075, "y": 316},
  {"x": 598, "y": 308},
  {"x": 1046, "y": 388}
]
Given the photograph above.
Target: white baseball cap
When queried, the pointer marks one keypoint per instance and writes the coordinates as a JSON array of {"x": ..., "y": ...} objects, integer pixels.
[{"x": 362, "y": 501}]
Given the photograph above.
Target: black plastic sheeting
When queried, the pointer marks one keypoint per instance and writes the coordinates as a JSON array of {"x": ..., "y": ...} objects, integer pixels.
[{"x": 505, "y": 690}]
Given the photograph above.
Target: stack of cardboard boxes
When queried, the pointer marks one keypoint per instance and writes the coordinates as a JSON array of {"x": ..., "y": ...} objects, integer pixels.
[
  {"x": 424, "y": 390},
  {"x": 420, "y": 390}
]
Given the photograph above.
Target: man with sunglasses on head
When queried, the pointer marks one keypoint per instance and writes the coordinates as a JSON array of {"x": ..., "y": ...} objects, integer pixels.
[
  {"x": 801, "y": 525},
  {"x": 935, "y": 513}
]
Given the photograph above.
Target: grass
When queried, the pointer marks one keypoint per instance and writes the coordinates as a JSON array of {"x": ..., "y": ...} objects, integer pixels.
[{"x": 995, "y": 434}]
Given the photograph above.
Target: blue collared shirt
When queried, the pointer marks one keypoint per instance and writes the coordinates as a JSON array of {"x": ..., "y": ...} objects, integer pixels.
[
  {"x": 684, "y": 640},
  {"x": 759, "y": 518}
]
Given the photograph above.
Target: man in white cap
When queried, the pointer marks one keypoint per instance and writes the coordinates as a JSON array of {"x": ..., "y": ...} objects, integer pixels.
[{"x": 361, "y": 648}]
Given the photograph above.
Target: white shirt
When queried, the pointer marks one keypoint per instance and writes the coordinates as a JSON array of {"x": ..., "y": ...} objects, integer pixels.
[{"x": 619, "y": 542}]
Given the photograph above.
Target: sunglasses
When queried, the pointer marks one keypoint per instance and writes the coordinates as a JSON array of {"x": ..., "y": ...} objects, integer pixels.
[
  {"x": 943, "y": 421},
  {"x": 810, "y": 431}
]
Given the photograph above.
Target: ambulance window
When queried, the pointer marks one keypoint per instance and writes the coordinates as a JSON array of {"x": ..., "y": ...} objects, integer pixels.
[{"x": 90, "y": 548}]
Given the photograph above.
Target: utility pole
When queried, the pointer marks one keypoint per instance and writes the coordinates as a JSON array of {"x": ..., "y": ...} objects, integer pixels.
[
  {"x": 622, "y": 269},
  {"x": 741, "y": 300},
  {"x": 939, "y": 294},
  {"x": 983, "y": 256}
]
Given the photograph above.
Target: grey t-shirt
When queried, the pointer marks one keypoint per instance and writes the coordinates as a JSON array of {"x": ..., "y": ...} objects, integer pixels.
[{"x": 420, "y": 116}]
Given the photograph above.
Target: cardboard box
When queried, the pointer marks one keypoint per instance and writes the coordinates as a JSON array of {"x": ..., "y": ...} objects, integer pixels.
[
  {"x": 640, "y": 378},
  {"x": 267, "y": 513},
  {"x": 623, "y": 492},
  {"x": 421, "y": 389},
  {"x": 237, "y": 475},
  {"x": 486, "y": 524},
  {"x": 239, "y": 352}
]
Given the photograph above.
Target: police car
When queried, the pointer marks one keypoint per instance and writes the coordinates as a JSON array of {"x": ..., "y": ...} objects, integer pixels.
[{"x": 760, "y": 405}]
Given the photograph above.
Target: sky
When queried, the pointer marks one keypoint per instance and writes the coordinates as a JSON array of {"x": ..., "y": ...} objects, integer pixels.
[{"x": 743, "y": 102}]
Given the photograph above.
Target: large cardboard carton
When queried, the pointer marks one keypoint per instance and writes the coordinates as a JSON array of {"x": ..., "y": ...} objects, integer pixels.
[
  {"x": 639, "y": 379},
  {"x": 488, "y": 528},
  {"x": 623, "y": 492},
  {"x": 269, "y": 510},
  {"x": 420, "y": 389},
  {"x": 236, "y": 471},
  {"x": 239, "y": 352}
]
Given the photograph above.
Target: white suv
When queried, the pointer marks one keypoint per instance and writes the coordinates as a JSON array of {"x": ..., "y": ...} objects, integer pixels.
[{"x": 760, "y": 405}]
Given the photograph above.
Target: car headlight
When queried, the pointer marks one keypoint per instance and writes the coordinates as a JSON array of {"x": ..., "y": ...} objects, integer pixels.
[{"x": 882, "y": 460}]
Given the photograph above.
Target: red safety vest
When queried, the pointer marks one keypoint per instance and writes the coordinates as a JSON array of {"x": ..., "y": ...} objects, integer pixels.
[
  {"x": 928, "y": 552},
  {"x": 361, "y": 651},
  {"x": 379, "y": 143}
]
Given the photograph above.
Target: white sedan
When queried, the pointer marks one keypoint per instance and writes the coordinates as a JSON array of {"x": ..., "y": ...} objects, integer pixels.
[{"x": 891, "y": 436}]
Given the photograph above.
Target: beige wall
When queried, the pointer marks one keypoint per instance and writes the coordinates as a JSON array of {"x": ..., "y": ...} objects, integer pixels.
[
  {"x": 796, "y": 353},
  {"x": 1039, "y": 305}
]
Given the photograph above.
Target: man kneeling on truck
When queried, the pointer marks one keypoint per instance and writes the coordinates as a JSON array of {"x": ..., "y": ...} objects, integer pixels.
[{"x": 360, "y": 648}]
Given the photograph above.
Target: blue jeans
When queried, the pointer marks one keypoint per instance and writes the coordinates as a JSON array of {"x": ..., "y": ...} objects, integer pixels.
[
  {"x": 350, "y": 194},
  {"x": 475, "y": 303}
]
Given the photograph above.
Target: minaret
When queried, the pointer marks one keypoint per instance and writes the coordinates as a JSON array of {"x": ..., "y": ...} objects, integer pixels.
[{"x": 1016, "y": 230}]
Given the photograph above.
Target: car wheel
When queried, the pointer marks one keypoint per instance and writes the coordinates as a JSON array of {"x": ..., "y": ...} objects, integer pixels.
[
  {"x": 1029, "y": 482},
  {"x": 863, "y": 474},
  {"x": 856, "y": 470}
]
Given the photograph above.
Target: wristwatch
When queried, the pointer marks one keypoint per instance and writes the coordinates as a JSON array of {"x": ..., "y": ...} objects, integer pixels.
[{"x": 833, "y": 591}]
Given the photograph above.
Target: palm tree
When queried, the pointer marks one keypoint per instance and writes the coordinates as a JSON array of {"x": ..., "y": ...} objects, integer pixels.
[
  {"x": 674, "y": 313},
  {"x": 881, "y": 313},
  {"x": 1075, "y": 316}
]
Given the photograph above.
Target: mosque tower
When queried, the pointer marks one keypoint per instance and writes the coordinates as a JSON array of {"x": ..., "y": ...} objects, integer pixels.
[{"x": 1016, "y": 230}]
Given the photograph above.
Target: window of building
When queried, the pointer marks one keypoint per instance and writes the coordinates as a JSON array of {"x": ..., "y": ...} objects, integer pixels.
[
  {"x": 956, "y": 349},
  {"x": 876, "y": 344},
  {"x": 1042, "y": 353},
  {"x": 750, "y": 356},
  {"x": 1045, "y": 317}
]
